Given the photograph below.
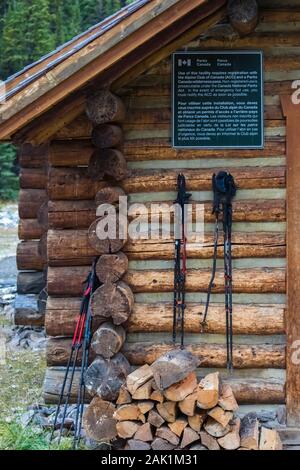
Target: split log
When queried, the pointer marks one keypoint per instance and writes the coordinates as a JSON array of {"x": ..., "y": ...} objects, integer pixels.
[
  {"x": 108, "y": 195},
  {"x": 208, "y": 391},
  {"x": 143, "y": 392},
  {"x": 104, "y": 106},
  {"x": 243, "y": 15},
  {"x": 29, "y": 229},
  {"x": 138, "y": 377},
  {"x": 188, "y": 405},
  {"x": 157, "y": 395},
  {"x": 145, "y": 406},
  {"x": 246, "y": 391},
  {"x": 28, "y": 256},
  {"x": 105, "y": 378},
  {"x": 215, "y": 429},
  {"x": 144, "y": 433},
  {"x": 248, "y": 319},
  {"x": 221, "y": 416},
  {"x": 108, "y": 340},
  {"x": 161, "y": 444},
  {"x": 107, "y": 162},
  {"x": 269, "y": 440},
  {"x": 227, "y": 399},
  {"x": 70, "y": 214},
  {"x": 178, "y": 426},
  {"x": 33, "y": 178},
  {"x": 128, "y": 412},
  {"x": 172, "y": 367},
  {"x": 107, "y": 136},
  {"x": 30, "y": 156},
  {"x": 31, "y": 282},
  {"x": 209, "y": 355},
  {"x": 133, "y": 444},
  {"x": 124, "y": 397},
  {"x": 74, "y": 183},
  {"x": 189, "y": 436},
  {"x": 113, "y": 301},
  {"x": 110, "y": 244},
  {"x": 180, "y": 390},
  {"x": 111, "y": 268},
  {"x": 30, "y": 200},
  {"x": 196, "y": 421},
  {"x": 155, "y": 419},
  {"x": 98, "y": 420},
  {"x": 26, "y": 311},
  {"x": 167, "y": 411},
  {"x": 165, "y": 433},
  {"x": 208, "y": 441},
  {"x": 127, "y": 429},
  {"x": 249, "y": 431},
  {"x": 232, "y": 440}
]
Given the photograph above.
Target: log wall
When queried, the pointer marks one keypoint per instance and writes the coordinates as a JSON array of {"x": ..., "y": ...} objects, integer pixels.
[{"x": 259, "y": 223}]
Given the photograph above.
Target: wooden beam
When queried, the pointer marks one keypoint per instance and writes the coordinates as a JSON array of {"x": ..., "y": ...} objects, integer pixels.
[{"x": 292, "y": 113}]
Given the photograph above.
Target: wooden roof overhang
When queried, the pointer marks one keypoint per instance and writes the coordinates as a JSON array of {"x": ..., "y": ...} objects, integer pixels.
[{"x": 49, "y": 94}]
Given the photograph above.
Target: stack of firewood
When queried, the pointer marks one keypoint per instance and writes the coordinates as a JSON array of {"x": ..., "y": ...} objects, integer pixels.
[{"x": 164, "y": 407}]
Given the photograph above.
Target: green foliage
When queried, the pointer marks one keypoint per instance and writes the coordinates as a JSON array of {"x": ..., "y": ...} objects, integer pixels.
[{"x": 8, "y": 177}]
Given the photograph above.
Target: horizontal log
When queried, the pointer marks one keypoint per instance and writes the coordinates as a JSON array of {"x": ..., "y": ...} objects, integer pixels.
[
  {"x": 62, "y": 315},
  {"x": 29, "y": 229},
  {"x": 245, "y": 390},
  {"x": 75, "y": 183},
  {"x": 26, "y": 311},
  {"x": 81, "y": 214},
  {"x": 28, "y": 256},
  {"x": 33, "y": 178},
  {"x": 72, "y": 247},
  {"x": 30, "y": 201},
  {"x": 77, "y": 153},
  {"x": 31, "y": 282},
  {"x": 33, "y": 157},
  {"x": 251, "y": 280},
  {"x": 210, "y": 355}
]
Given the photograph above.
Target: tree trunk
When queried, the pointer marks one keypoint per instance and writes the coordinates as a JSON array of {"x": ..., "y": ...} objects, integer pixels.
[
  {"x": 107, "y": 245},
  {"x": 107, "y": 136},
  {"x": 98, "y": 421},
  {"x": 111, "y": 268},
  {"x": 108, "y": 340},
  {"x": 107, "y": 162},
  {"x": 113, "y": 301},
  {"x": 104, "y": 106}
]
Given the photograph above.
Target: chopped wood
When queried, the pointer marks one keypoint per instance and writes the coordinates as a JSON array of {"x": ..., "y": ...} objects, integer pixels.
[
  {"x": 208, "y": 391},
  {"x": 109, "y": 195},
  {"x": 249, "y": 431},
  {"x": 98, "y": 421},
  {"x": 178, "y": 426},
  {"x": 108, "y": 340},
  {"x": 156, "y": 395},
  {"x": 215, "y": 429},
  {"x": 189, "y": 436},
  {"x": 104, "y": 106},
  {"x": 128, "y": 412},
  {"x": 173, "y": 367},
  {"x": 144, "y": 433},
  {"x": 124, "y": 396},
  {"x": 196, "y": 421},
  {"x": 165, "y": 433},
  {"x": 188, "y": 405},
  {"x": 180, "y": 390},
  {"x": 269, "y": 440},
  {"x": 145, "y": 406},
  {"x": 138, "y": 377},
  {"x": 113, "y": 301},
  {"x": 127, "y": 429},
  {"x": 232, "y": 440},
  {"x": 167, "y": 410},
  {"x": 155, "y": 419},
  {"x": 107, "y": 136},
  {"x": 221, "y": 416},
  {"x": 111, "y": 267},
  {"x": 208, "y": 441},
  {"x": 107, "y": 162},
  {"x": 161, "y": 444},
  {"x": 133, "y": 444},
  {"x": 227, "y": 399},
  {"x": 143, "y": 392},
  {"x": 105, "y": 377},
  {"x": 198, "y": 447}
]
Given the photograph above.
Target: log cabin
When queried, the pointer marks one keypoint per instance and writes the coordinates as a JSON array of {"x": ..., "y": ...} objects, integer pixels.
[{"x": 99, "y": 109}]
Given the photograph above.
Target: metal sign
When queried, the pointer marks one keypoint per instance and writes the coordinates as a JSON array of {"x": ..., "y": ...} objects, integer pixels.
[{"x": 218, "y": 99}]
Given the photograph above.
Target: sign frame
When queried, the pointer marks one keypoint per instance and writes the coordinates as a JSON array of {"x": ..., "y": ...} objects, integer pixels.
[{"x": 219, "y": 52}]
